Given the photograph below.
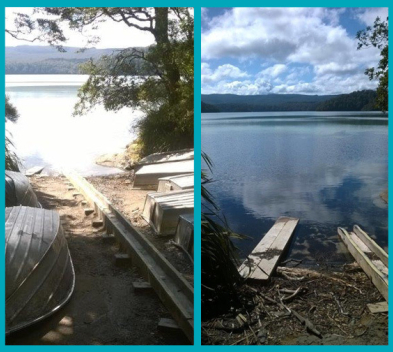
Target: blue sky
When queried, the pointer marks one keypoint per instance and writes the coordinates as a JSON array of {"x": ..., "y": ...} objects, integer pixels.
[{"x": 286, "y": 50}]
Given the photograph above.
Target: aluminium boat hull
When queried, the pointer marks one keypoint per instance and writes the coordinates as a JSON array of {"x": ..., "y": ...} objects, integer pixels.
[
  {"x": 40, "y": 277},
  {"x": 18, "y": 190}
]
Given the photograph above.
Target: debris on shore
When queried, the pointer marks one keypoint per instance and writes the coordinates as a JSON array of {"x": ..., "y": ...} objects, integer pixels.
[{"x": 301, "y": 307}]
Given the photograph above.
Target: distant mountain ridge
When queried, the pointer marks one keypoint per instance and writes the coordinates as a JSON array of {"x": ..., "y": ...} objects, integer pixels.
[
  {"x": 34, "y": 59},
  {"x": 356, "y": 101}
]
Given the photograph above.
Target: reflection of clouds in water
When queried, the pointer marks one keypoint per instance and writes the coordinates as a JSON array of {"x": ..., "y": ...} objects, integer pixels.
[
  {"x": 47, "y": 131},
  {"x": 328, "y": 175},
  {"x": 313, "y": 199}
]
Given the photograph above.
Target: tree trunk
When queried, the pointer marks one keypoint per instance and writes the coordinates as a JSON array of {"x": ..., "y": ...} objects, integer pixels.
[{"x": 168, "y": 59}]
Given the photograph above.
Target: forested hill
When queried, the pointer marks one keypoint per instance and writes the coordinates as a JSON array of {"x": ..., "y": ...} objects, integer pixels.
[
  {"x": 32, "y": 59},
  {"x": 209, "y": 108},
  {"x": 356, "y": 101}
]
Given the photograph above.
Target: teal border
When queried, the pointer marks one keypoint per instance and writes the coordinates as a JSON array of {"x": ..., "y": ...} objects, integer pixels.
[{"x": 197, "y": 4}]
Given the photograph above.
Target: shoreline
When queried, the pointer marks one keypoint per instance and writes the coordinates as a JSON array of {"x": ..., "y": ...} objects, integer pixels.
[{"x": 301, "y": 307}]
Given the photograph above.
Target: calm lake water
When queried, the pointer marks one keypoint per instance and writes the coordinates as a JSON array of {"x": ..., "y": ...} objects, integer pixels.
[
  {"x": 327, "y": 169},
  {"x": 47, "y": 134}
]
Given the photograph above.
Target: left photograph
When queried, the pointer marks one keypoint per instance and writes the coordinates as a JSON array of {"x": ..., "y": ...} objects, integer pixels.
[{"x": 99, "y": 175}]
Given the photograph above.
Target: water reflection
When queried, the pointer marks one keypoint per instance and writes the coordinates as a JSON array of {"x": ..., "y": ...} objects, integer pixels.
[{"x": 327, "y": 172}]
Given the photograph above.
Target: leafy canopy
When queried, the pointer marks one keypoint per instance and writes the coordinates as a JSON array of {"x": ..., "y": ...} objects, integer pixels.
[
  {"x": 165, "y": 95},
  {"x": 377, "y": 36}
]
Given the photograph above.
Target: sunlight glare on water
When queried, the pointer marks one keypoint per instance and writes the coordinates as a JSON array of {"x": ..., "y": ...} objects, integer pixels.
[{"x": 47, "y": 134}]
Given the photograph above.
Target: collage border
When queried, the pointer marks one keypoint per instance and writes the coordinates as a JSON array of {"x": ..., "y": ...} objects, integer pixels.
[{"x": 197, "y": 4}]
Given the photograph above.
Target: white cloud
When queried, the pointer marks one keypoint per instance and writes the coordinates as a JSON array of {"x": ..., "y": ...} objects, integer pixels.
[
  {"x": 369, "y": 15},
  {"x": 246, "y": 87},
  {"x": 223, "y": 72},
  {"x": 274, "y": 71},
  {"x": 281, "y": 39},
  {"x": 305, "y": 35},
  {"x": 333, "y": 67}
]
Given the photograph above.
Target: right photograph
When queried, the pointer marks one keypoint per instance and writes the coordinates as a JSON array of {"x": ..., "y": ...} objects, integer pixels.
[{"x": 294, "y": 143}]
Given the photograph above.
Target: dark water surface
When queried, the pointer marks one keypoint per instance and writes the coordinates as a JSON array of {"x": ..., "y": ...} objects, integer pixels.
[{"x": 327, "y": 169}]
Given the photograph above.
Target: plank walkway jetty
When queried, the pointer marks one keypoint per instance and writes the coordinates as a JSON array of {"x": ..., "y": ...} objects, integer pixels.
[
  {"x": 261, "y": 263},
  {"x": 371, "y": 258}
]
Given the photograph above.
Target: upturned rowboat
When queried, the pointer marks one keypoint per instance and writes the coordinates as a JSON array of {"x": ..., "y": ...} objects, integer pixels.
[
  {"x": 18, "y": 190},
  {"x": 40, "y": 276}
]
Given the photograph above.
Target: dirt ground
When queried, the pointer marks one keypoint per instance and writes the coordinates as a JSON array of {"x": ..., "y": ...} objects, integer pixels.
[
  {"x": 302, "y": 307},
  {"x": 104, "y": 308},
  {"x": 118, "y": 189}
]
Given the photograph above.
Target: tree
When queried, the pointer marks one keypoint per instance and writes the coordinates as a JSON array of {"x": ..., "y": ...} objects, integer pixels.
[
  {"x": 165, "y": 97},
  {"x": 377, "y": 37},
  {"x": 11, "y": 114},
  {"x": 11, "y": 160}
]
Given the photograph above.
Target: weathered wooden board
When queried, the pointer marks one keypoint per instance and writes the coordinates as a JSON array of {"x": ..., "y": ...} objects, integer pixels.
[
  {"x": 171, "y": 287},
  {"x": 261, "y": 263},
  {"x": 365, "y": 257},
  {"x": 380, "y": 307},
  {"x": 372, "y": 245}
]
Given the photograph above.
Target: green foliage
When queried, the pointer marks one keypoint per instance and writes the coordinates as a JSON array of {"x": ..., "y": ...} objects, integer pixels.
[
  {"x": 11, "y": 160},
  {"x": 11, "y": 114},
  {"x": 219, "y": 261},
  {"x": 356, "y": 101},
  {"x": 208, "y": 108},
  {"x": 377, "y": 36}
]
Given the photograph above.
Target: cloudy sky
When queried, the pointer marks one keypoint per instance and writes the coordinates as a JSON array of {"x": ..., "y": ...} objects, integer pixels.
[{"x": 286, "y": 50}]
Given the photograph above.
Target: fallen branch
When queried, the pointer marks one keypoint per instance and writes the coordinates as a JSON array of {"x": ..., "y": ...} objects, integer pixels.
[
  {"x": 294, "y": 294},
  {"x": 309, "y": 325},
  {"x": 339, "y": 305},
  {"x": 292, "y": 278}
]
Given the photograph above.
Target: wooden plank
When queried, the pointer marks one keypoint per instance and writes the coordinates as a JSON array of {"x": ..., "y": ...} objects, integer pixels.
[
  {"x": 171, "y": 287},
  {"x": 369, "y": 242},
  {"x": 169, "y": 325},
  {"x": 261, "y": 263},
  {"x": 122, "y": 259},
  {"x": 379, "y": 279},
  {"x": 141, "y": 286},
  {"x": 380, "y": 307},
  {"x": 88, "y": 211}
]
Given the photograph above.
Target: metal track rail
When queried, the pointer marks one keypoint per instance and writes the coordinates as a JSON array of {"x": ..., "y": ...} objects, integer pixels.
[{"x": 174, "y": 291}]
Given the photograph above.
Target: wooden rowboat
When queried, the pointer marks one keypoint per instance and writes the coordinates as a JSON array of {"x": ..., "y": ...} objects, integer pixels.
[
  {"x": 370, "y": 257},
  {"x": 40, "y": 276},
  {"x": 18, "y": 190}
]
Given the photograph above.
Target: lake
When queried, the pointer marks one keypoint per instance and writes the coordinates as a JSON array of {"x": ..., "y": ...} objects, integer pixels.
[
  {"x": 327, "y": 169},
  {"x": 47, "y": 134}
]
